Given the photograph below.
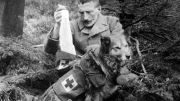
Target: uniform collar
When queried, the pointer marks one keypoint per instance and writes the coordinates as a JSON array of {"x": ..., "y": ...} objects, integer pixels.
[{"x": 99, "y": 26}]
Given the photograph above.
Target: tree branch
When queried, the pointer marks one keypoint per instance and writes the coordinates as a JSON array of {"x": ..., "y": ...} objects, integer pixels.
[
  {"x": 150, "y": 39},
  {"x": 139, "y": 53},
  {"x": 163, "y": 5},
  {"x": 144, "y": 3},
  {"x": 137, "y": 21}
]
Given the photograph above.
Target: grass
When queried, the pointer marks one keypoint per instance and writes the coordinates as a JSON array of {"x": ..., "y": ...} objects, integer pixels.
[
  {"x": 25, "y": 69},
  {"x": 29, "y": 71}
]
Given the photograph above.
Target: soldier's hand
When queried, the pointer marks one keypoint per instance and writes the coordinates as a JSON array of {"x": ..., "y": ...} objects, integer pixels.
[
  {"x": 58, "y": 13},
  {"x": 57, "y": 17}
]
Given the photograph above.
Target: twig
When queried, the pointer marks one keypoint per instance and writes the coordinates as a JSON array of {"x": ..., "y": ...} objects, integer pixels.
[
  {"x": 36, "y": 46},
  {"x": 137, "y": 21},
  {"x": 143, "y": 4},
  {"x": 146, "y": 49},
  {"x": 157, "y": 90},
  {"x": 139, "y": 53},
  {"x": 149, "y": 39},
  {"x": 163, "y": 5}
]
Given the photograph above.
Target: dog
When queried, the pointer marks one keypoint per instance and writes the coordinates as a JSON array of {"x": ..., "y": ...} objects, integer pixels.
[
  {"x": 111, "y": 55},
  {"x": 101, "y": 65}
]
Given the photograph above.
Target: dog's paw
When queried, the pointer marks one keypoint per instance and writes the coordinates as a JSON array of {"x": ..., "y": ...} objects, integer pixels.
[{"x": 124, "y": 79}]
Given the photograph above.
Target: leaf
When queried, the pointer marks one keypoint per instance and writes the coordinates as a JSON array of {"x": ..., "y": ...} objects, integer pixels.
[
  {"x": 167, "y": 95},
  {"x": 131, "y": 98},
  {"x": 5, "y": 54},
  {"x": 10, "y": 53},
  {"x": 3, "y": 87}
]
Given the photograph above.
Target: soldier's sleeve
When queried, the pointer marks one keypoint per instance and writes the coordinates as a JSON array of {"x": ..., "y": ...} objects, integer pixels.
[
  {"x": 114, "y": 25},
  {"x": 51, "y": 45}
]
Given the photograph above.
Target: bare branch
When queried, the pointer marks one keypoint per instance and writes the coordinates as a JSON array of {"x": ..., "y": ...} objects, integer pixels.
[
  {"x": 137, "y": 21},
  {"x": 36, "y": 46},
  {"x": 150, "y": 39},
  {"x": 139, "y": 53},
  {"x": 144, "y": 3},
  {"x": 163, "y": 5}
]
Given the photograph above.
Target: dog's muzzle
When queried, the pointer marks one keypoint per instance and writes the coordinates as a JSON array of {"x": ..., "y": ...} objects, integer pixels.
[{"x": 115, "y": 63}]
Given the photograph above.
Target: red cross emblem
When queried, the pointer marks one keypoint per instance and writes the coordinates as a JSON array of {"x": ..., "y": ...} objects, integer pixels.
[{"x": 69, "y": 83}]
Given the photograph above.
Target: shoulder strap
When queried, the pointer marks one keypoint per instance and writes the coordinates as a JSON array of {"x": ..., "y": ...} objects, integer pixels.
[{"x": 98, "y": 62}]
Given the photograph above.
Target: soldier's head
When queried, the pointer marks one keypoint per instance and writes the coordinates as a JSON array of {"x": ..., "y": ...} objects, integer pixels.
[{"x": 89, "y": 11}]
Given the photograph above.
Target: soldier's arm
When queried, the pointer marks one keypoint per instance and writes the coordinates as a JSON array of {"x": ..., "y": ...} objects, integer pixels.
[{"x": 51, "y": 42}]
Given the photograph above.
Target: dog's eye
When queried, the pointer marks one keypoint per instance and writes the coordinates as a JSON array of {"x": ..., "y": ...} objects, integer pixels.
[
  {"x": 126, "y": 45},
  {"x": 117, "y": 48}
]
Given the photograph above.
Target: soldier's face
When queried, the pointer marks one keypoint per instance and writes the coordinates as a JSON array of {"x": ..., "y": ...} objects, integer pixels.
[{"x": 89, "y": 13}]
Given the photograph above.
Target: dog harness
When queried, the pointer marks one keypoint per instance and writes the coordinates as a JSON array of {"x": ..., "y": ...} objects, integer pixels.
[{"x": 90, "y": 72}]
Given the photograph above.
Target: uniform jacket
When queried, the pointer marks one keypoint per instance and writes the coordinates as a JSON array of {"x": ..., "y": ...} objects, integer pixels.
[{"x": 83, "y": 37}]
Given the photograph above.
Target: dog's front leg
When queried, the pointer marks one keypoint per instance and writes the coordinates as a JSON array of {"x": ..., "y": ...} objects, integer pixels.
[
  {"x": 98, "y": 96},
  {"x": 94, "y": 96}
]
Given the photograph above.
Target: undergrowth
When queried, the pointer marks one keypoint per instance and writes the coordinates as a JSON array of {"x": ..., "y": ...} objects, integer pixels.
[{"x": 26, "y": 71}]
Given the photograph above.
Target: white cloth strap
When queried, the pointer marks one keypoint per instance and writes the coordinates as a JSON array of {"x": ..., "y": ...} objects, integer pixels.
[{"x": 66, "y": 41}]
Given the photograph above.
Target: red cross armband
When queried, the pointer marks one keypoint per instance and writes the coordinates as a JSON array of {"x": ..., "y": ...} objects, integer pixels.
[{"x": 70, "y": 85}]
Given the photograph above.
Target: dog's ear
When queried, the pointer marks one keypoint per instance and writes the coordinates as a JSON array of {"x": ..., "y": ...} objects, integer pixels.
[
  {"x": 105, "y": 44},
  {"x": 128, "y": 38},
  {"x": 127, "y": 33}
]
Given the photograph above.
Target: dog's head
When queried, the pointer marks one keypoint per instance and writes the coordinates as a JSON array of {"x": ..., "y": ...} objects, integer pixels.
[
  {"x": 116, "y": 46},
  {"x": 114, "y": 51}
]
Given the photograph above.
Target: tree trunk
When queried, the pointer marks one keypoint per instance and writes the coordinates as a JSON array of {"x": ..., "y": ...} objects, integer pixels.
[
  {"x": 11, "y": 17},
  {"x": 2, "y": 5}
]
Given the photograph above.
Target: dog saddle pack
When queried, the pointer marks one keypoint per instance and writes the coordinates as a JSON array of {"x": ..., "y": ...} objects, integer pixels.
[
  {"x": 92, "y": 70},
  {"x": 75, "y": 82},
  {"x": 70, "y": 85}
]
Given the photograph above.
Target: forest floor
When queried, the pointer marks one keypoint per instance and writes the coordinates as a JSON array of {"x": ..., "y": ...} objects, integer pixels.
[{"x": 26, "y": 71}]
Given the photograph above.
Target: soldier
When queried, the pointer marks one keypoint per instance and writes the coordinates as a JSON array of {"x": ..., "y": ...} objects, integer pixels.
[{"x": 86, "y": 30}]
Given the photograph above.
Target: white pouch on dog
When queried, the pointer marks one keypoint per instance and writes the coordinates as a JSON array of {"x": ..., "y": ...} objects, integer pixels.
[{"x": 66, "y": 41}]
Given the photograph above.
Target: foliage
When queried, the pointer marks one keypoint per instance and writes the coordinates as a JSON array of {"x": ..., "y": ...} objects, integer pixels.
[
  {"x": 24, "y": 66},
  {"x": 155, "y": 23}
]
